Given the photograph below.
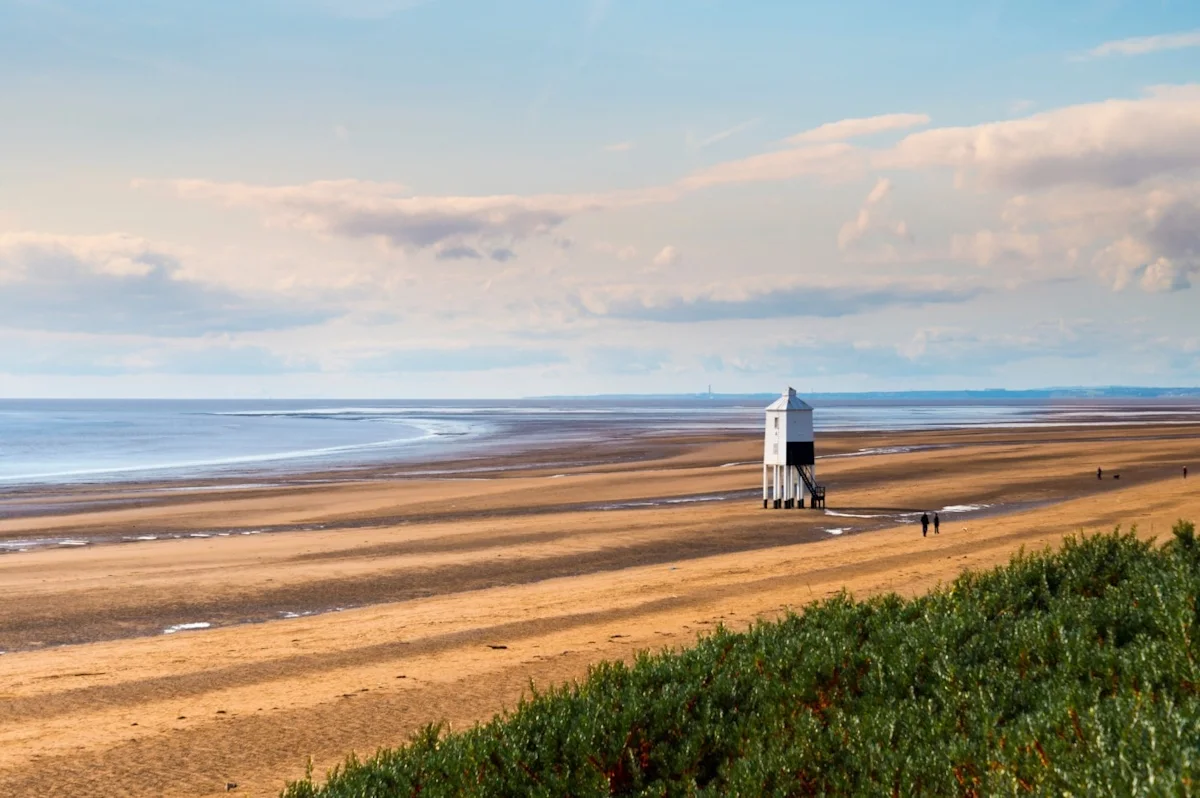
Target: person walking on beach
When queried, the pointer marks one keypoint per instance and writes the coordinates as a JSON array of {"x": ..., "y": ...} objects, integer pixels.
[
  {"x": 1185, "y": 472},
  {"x": 924, "y": 524},
  {"x": 937, "y": 524},
  {"x": 1099, "y": 473}
]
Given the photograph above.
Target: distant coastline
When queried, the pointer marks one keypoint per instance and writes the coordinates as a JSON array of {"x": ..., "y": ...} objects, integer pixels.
[{"x": 1036, "y": 394}]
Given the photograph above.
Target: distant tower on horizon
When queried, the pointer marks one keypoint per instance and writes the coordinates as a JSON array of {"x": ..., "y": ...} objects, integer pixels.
[{"x": 789, "y": 454}]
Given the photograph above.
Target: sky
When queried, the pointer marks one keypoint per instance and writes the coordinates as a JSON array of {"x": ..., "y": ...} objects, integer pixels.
[{"x": 474, "y": 198}]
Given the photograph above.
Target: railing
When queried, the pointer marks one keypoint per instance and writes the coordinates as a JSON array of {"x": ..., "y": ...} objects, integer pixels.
[{"x": 816, "y": 491}]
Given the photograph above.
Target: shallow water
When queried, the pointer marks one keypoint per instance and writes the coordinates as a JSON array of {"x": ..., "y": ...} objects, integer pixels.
[{"x": 67, "y": 441}]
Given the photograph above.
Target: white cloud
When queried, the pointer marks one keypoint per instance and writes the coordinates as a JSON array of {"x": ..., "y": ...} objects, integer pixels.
[
  {"x": 1115, "y": 142},
  {"x": 869, "y": 218},
  {"x": 986, "y": 247},
  {"x": 341, "y": 132},
  {"x": 622, "y": 253},
  {"x": 667, "y": 256},
  {"x": 1163, "y": 276},
  {"x": 123, "y": 284},
  {"x": 1142, "y": 45},
  {"x": 25, "y": 254},
  {"x": 829, "y": 160},
  {"x": 620, "y": 146},
  {"x": 769, "y": 299},
  {"x": 1080, "y": 179},
  {"x": 853, "y": 128}
]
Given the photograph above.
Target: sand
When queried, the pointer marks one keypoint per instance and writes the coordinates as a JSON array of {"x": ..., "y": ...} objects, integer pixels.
[{"x": 424, "y": 599}]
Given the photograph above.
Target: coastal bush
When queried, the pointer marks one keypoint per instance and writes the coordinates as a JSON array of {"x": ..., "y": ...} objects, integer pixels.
[{"x": 1067, "y": 673}]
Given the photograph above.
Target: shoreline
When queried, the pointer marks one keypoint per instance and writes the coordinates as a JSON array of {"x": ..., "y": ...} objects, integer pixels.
[
  {"x": 645, "y": 446},
  {"x": 464, "y": 430}
]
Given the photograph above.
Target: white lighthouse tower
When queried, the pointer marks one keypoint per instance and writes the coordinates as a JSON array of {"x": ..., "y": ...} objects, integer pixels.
[{"x": 789, "y": 455}]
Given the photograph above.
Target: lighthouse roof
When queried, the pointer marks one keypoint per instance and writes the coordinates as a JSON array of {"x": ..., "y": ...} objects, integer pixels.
[{"x": 789, "y": 401}]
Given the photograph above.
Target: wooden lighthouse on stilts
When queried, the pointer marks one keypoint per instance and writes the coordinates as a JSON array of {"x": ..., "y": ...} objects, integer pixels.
[{"x": 789, "y": 456}]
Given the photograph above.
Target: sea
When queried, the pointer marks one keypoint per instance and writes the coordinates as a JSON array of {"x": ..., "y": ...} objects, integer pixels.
[{"x": 89, "y": 441}]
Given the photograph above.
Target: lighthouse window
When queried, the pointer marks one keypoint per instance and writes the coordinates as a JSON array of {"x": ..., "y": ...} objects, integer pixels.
[{"x": 776, "y": 422}]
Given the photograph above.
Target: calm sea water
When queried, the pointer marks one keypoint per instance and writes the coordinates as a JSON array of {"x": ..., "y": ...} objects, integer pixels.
[{"x": 49, "y": 441}]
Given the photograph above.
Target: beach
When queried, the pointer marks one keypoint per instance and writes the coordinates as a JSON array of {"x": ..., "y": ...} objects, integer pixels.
[{"x": 167, "y": 638}]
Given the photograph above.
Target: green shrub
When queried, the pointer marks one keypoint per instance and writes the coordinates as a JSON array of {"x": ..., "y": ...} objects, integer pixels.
[{"x": 1072, "y": 673}]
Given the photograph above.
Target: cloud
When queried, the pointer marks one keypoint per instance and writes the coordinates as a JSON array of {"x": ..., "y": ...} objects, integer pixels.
[
  {"x": 667, "y": 256},
  {"x": 1144, "y": 236},
  {"x": 988, "y": 246},
  {"x": 341, "y": 132},
  {"x": 1110, "y": 143},
  {"x": 789, "y": 299},
  {"x": 458, "y": 253},
  {"x": 123, "y": 284},
  {"x": 1142, "y": 45},
  {"x": 359, "y": 209},
  {"x": 620, "y": 146},
  {"x": 617, "y": 360},
  {"x": 934, "y": 351},
  {"x": 868, "y": 218},
  {"x": 854, "y": 128},
  {"x": 836, "y": 159},
  {"x": 1109, "y": 185},
  {"x": 1079, "y": 152},
  {"x": 622, "y": 253},
  {"x": 502, "y": 254},
  {"x": 696, "y": 145},
  {"x": 469, "y": 358},
  {"x": 1165, "y": 276},
  {"x": 1162, "y": 253}
]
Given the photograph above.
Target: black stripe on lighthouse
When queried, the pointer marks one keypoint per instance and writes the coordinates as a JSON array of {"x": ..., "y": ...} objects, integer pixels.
[{"x": 801, "y": 453}]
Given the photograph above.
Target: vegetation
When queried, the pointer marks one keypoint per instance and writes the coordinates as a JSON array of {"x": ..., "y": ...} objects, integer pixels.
[{"x": 1073, "y": 673}]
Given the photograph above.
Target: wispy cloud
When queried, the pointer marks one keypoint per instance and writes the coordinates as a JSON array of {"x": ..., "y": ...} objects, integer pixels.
[
  {"x": 667, "y": 256},
  {"x": 835, "y": 159},
  {"x": 42, "y": 353},
  {"x": 869, "y": 218},
  {"x": 388, "y": 212},
  {"x": 695, "y": 144},
  {"x": 458, "y": 253},
  {"x": 121, "y": 284},
  {"x": 854, "y": 128},
  {"x": 620, "y": 146},
  {"x": 790, "y": 299},
  {"x": 619, "y": 360},
  {"x": 623, "y": 253},
  {"x": 469, "y": 358},
  {"x": 1142, "y": 45}
]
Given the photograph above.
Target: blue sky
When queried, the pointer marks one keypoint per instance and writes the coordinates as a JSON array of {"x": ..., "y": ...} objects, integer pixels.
[{"x": 455, "y": 198}]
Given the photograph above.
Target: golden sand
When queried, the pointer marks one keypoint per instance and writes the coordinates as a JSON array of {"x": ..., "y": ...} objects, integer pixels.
[{"x": 440, "y": 599}]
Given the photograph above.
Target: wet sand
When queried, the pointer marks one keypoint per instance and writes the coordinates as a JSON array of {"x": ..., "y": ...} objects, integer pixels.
[{"x": 348, "y": 609}]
